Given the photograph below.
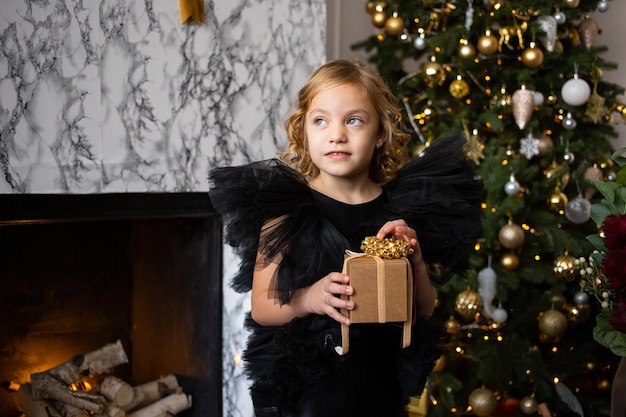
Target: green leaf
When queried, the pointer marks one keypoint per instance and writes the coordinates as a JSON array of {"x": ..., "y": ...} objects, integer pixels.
[
  {"x": 607, "y": 189},
  {"x": 618, "y": 157},
  {"x": 597, "y": 242},
  {"x": 621, "y": 176},
  {"x": 607, "y": 336},
  {"x": 599, "y": 212}
]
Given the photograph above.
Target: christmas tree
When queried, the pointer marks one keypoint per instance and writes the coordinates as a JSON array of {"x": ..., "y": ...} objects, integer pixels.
[{"x": 523, "y": 81}]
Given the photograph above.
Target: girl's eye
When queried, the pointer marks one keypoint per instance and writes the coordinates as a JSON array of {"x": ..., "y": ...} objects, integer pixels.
[
  {"x": 319, "y": 121},
  {"x": 355, "y": 121}
]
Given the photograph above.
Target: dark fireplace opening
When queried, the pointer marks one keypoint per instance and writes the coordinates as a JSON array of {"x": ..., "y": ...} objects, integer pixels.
[{"x": 81, "y": 271}]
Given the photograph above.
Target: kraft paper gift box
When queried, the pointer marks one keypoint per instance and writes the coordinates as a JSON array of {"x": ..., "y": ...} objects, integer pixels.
[{"x": 383, "y": 293}]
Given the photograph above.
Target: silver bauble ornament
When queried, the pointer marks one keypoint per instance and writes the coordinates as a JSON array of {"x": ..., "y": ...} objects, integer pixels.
[
  {"x": 603, "y": 6},
  {"x": 538, "y": 98},
  {"x": 511, "y": 187},
  {"x": 528, "y": 405},
  {"x": 581, "y": 298},
  {"x": 420, "y": 42},
  {"x": 569, "y": 157},
  {"x": 578, "y": 210},
  {"x": 559, "y": 17},
  {"x": 569, "y": 123}
]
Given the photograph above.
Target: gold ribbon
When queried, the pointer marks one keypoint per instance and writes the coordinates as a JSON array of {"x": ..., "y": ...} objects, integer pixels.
[
  {"x": 191, "y": 10},
  {"x": 382, "y": 300}
]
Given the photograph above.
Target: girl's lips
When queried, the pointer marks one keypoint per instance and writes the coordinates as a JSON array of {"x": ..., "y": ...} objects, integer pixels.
[{"x": 337, "y": 153}]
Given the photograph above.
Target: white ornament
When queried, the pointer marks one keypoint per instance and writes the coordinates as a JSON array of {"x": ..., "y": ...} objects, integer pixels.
[
  {"x": 538, "y": 97},
  {"x": 499, "y": 315},
  {"x": 575, "y": 91},
  {"x": 529, "y": 146},
  {"x": 603, "y": 6},
  {"x": 487, "y": 289}
]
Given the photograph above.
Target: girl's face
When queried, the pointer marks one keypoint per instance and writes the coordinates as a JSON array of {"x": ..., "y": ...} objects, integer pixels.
[{"x": 341, "y": 127}]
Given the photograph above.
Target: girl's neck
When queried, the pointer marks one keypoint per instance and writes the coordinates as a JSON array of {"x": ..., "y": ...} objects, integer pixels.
[{"x": 347, "y": 191}]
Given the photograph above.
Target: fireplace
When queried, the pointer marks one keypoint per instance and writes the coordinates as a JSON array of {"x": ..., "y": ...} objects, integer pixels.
[{"x": 81, "y": 271}]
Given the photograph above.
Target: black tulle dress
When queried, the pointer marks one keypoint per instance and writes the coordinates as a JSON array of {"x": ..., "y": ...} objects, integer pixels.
[{"x": 294, "y": 369}]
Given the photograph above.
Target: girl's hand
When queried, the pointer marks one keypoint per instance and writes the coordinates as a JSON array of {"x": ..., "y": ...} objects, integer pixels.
[
  {"x": 398, "y": 229},
  {"x": 321, "y": 297},
  {"x": 425, "y": 295}
]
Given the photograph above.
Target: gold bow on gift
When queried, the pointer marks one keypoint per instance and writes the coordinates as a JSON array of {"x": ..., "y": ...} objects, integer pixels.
[
  {"x": 386, "y": 248},
  {"x": 191, "y": 10}
]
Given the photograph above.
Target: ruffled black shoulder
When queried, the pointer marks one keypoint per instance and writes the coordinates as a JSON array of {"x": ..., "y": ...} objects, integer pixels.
[
  {"x": 265, "y": 205},
  {"x": 438, "y": 195}
]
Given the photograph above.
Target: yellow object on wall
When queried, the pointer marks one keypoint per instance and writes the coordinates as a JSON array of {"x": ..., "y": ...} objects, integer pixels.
[{"x": 191, "y": 10}]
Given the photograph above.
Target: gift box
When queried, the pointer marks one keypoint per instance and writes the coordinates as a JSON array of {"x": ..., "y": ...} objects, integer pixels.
[{"x": 383, "y": 292}]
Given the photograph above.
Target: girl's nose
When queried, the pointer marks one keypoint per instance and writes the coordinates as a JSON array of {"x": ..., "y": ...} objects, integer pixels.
[{"x": 338, "y": 134}]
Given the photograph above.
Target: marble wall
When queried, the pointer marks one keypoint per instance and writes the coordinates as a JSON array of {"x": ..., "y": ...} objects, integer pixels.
[{"x": 118, "y": 96}]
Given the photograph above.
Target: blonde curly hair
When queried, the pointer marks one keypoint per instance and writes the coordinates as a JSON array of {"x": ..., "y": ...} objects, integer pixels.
[{"x": 388, "y": 158}]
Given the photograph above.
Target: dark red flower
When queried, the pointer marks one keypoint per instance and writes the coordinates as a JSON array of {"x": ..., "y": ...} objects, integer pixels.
[
  {"x": 613, "y": 266},
  {"x": 618, "y": 317},
  {"x": 614, "y": 227}
]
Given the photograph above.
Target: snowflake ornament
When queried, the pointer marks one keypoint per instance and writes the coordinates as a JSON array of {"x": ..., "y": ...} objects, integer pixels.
[{"x": 529, "y": 146}]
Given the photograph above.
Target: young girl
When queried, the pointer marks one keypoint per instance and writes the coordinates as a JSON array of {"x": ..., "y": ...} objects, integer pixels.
[{"x": 344, "y": 176}]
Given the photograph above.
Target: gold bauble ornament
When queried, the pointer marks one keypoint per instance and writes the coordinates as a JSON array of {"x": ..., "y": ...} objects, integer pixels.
[
  {"x": 466, "y": 50},
  {"x": 394, "y": 25},
  {"x": 574, "y": 36},
  {"x": 452, "y": 325},
  {"x": 433, "y": 73},
  {"x": 509, "y": 261},
  {"x": 545, "y": 145},
  {"x": 553, "y": 323},
  {"x": 379, "y": 18},
  {"x": 487, "y": 44},
  {"x": 468, "y": 303},
  {"x": 558, "y": 172},
  {"x": 572, "y": 4},
  {"x": 370, "y": 6},
  {"x": 459, "y": 88},
  {"x": 564, "y": 268},
  {"x": 532, "y": 57},
  {"x": 483, "y": 402},
  {"x": 577, "y": 313},
  {"x": 557, "y": 201},
  {"x": 528, "y": 405},
  {"x": 511, "y": 236}
]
